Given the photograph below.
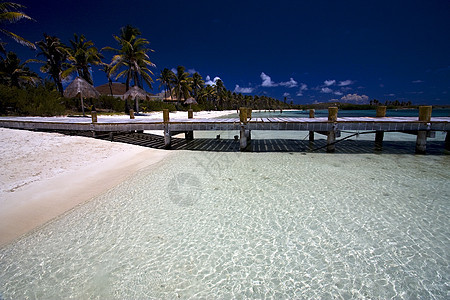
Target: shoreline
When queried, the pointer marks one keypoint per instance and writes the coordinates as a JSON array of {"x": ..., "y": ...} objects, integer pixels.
[{"x": 44, "y": 175}]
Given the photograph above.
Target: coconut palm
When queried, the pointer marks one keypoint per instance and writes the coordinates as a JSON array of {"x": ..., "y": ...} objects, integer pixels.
[
  {"x": 221, "y": 91},
  {"x": 56, "y": 54},
  {"x": 9, "y": 14},
  {"x": 181, "y": 84},
  {"x": 166, "y": 78},
  {"x": 82, "y": 56},
  {"x": 15, "y": 73},
  {"x": 197, "y": 84},
  {"x": 106, "y": 68},
  {"x": 131, "y": 59}
]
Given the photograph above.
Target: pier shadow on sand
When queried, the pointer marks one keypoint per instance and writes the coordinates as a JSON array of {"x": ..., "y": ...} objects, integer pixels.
[{"x": 273, "y": 145}]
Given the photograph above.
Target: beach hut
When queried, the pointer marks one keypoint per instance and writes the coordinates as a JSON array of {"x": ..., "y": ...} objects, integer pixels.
[
  {"x": 82, "y": 88},
  {"x": 190, "y": 101},
  {"x": 136, "y": 93}
]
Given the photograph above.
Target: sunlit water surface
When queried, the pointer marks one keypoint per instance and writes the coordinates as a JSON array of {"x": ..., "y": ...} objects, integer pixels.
[{"x": 249, "y": 225}]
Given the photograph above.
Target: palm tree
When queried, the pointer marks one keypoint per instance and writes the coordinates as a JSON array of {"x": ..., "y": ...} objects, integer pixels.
[
  {"x": 15, "y": 73},
  {"x": 9, "y": 14},
  {"x": 166, "y": 78},
  {"x": 181, "y": 84},
  {"x": 56, "y": 54},
  {"x": 106, "y": 68},
  {"x": 208, "y": 94},
  {"x": 221, "y": 91},
  {"x": 82, "y": 56},
  {"x": 197, "y": 84},
  {"x": 131, "y": 59}
]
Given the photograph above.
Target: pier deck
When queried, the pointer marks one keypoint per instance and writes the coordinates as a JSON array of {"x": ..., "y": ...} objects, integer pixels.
[{"x": 174, "y": 126}]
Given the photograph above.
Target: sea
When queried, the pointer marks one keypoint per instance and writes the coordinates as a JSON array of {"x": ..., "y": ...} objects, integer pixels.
[{"x": 252, "y": 225}]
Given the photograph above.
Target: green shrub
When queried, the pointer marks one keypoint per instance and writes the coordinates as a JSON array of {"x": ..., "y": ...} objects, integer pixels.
[{"x": 32, "y": 101}]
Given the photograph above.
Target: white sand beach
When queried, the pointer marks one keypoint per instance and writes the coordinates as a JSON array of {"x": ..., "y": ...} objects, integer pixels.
[{"x": 44, "y": 175}]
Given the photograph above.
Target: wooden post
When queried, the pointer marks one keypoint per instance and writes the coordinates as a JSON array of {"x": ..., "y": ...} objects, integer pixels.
[
  {"x": 249, "y": 113},
  {"x": 243, "y": 115},
  {"x": 167, "y": 137},
  {"x": 379, "y": 135},
  {"x": 425, "y": 113},
  {"x": 311, "y": 133},
  {"x": 331, "y": 136},
  {"x": 94, "y": 116},
  {"x": 331, "y": 139},
  {"x": 165, "y": 115},
  {"x": 421, "y": 142},
  {"x": 332, "y": 114},
  {"x": 131, "y": 114},
  {"x": 189, "y": 135},
  {"x": 243, "y": 139},
  {"x": 381, "y": 111}
]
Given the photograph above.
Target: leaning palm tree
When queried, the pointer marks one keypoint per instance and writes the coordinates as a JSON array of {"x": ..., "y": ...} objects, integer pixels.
[
  {"x": 82, "y": 56},
  {"x": 15, "y": 73},
  {"x": 131, "y": 59},
  {"x": 166, "y": 78},
  {"x": 9, "y": 14},
  {"x": 56, "y": 54},
  {"x": 181, "y": 84}
]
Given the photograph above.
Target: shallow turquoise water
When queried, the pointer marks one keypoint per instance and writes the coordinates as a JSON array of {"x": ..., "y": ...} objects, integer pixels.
[{"x": 249, "y": 225}]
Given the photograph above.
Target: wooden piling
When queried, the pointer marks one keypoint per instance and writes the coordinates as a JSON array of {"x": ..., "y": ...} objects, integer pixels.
[
  {"x": 249, "y": 113},
  {"x": 331, "y": 140},
  {"x": 425, "y": 113},
  {"x": 131, "y": 114},
  {"x": 379, "y": 135},
  {"x": 332, "y": 114},
  {"x": 167, "y": 136},
  {"x": 311, "y": 133},
  {"x": 331, "y": 135},
  {"x": 243, "y": 139},
  {"x": 189, "y": 135},
  {"x": 421, "y": 142},
  {"x": 381, "y": 111},
  {"x": 243, "y": 115},
  {"x": 165, "y": 115},
  {"x": 94, "y": 116}
]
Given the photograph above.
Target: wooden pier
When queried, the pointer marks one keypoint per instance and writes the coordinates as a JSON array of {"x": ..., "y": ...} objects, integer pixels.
[{"x": 422, "y": 126}]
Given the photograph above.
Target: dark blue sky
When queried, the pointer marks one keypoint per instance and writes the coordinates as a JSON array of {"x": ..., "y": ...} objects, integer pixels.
[{"x": 306, "y": 50}]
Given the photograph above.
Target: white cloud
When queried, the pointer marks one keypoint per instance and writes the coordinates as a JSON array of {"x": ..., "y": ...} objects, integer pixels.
[
  {"x": 338, "y": 93},
  {"x": 267, "y": 81},
  {"x": 329, "y": 82},
  {"x": 191, "y": 71},
  {"x": 345, "y": 82},
  {"x": 355, "y": 98},
  {"x": 208, "y": 80},
  {"x": 326, "y": 90},
  {"x": 303, "y": 87},
  {"x": 290, "y": 84},
  {"x": 243, "y": 90},
  {"x": 286, "y": 94},
  {"x": 417, "y": 81},
  {"x": 174, "y": 70}
]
